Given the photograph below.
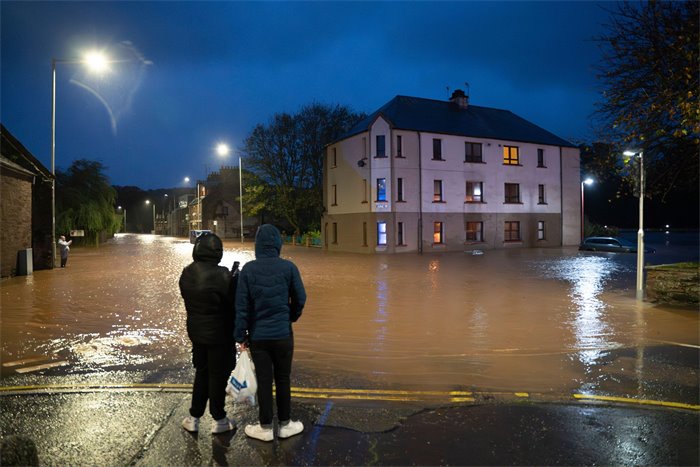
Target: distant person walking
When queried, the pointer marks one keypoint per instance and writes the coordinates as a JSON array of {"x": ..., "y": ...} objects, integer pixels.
[
  {"x": 269, "y": 299},
  {"x": 209, "y": 291},
  {"x": 65, "y": 248}
]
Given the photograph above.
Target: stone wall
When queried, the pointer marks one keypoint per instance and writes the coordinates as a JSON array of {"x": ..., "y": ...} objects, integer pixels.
[
  {"x": 15, "y": 218},
  {"x": 674, "y": 284}
]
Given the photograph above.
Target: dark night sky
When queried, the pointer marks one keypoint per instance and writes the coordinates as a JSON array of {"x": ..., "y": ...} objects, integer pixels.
[{"x": 192, "y": 74}]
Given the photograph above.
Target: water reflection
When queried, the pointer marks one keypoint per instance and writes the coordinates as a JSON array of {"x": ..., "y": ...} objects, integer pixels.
[{"x": 527, "y": 320}]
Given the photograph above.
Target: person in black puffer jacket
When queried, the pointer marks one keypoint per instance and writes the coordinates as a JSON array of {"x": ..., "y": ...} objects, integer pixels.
[
  {"x": 209, "y": 291},
  {"x": 269, "y": 299}
]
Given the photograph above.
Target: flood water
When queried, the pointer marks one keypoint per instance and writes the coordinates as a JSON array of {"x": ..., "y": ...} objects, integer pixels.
[{"x": 549, "y": 321}]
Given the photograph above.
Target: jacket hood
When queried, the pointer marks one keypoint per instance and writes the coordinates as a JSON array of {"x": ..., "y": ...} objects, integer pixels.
[
  {"x": 268, "y": 242},
  {"x": 208, "y": 248}
]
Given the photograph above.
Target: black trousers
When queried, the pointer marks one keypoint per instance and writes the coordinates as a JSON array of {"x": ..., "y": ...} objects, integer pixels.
[
  {"x": 273, "y": 359},
  {"x": 64, "y": 260},
  {"x": 213, "y": 365}
]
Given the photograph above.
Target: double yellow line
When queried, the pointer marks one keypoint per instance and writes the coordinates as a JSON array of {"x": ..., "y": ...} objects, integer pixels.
[{"x": 339, "y": 394}]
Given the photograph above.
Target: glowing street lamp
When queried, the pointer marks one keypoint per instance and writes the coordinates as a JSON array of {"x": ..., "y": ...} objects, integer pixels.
[
  {"x": 96, "y": 62},
  {"x": 148, "y": 201},
  {"x": 640, "y": 232},
  {"x": 586, "y": 181}
]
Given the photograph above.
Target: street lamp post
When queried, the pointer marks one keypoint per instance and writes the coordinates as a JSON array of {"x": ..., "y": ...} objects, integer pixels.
[
  {"x": 124, "y": 214},
  {"x": 640, "y": 232},
  {"x": 96, "y": 62},
  {"x": 240, "y": 192},
  {"x": 153, "y": 205},
  {"x": 587, "y": 181}
]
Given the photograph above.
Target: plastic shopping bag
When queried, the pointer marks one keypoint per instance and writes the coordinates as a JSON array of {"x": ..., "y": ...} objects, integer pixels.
[{"x": 242, "y": 384}]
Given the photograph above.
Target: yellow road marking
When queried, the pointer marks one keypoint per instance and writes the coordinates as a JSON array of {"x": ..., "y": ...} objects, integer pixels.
[
  {"x": 351, "y": 394},
  {"x": 628, "y": 400}
]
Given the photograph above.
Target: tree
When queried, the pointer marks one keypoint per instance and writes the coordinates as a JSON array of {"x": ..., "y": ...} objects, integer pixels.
[
  {"x": 287, "y": 155},
  {"x": 85, "y": 200},
  {"x": 649, "y": 73}
]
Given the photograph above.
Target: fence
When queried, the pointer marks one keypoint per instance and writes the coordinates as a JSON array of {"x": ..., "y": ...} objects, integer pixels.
[{"x": 302, "y": 240}]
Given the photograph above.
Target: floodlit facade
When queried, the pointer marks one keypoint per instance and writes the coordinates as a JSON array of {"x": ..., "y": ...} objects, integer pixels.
[{"x": 422, "y": 175}]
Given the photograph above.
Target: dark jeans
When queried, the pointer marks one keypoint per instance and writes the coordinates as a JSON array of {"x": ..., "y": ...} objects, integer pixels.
[
  {"x": 64, "y": 260},
  {"x": 273, "y": 358},
  {"x": 213, "y": 365}
]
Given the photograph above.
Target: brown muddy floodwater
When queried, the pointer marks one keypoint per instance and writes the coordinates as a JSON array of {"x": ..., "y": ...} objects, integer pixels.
[{"x": 548, "y": 321}]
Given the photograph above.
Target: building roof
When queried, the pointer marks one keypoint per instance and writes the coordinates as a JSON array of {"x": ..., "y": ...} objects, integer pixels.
[
  {"x": 14, "y": 151},
  {"x": 444, "y": 117}
]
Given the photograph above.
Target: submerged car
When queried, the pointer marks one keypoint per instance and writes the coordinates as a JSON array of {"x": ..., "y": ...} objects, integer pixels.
[{"x": 613, "y": 244}]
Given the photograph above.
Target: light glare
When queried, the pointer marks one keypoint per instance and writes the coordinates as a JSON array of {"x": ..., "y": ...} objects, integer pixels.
[
  {"x": 222, "y": 149},
  {"x": 96, "y": 61}
]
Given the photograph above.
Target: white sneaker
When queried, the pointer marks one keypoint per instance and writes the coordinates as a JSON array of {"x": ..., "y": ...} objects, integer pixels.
[
  {"x": 191, "y": 424},
  {"x": 258, "y": 432},
  {"x": 222, "y": 426},
  {"x": 290, "y": 429}
]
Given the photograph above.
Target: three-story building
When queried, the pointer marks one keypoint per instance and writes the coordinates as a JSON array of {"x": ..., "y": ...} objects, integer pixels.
[{"x": 422, "y": 175}]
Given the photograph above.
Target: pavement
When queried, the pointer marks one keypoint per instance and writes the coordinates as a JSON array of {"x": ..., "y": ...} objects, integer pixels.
[{"x": 140, "y": 425}]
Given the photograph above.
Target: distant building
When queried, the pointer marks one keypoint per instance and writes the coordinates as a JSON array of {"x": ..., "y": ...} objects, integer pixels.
[
  {"x": 422, "y": 175},
  {"x": 25, "y": 206}
]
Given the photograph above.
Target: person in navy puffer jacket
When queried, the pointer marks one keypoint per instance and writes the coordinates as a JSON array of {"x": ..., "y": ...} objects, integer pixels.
[
  {"x": 270, "y": 297},
  {"x": 209, "y": 292}
]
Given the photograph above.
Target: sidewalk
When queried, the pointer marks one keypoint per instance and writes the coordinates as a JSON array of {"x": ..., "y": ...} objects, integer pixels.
[{"x": 142, "y": 427}]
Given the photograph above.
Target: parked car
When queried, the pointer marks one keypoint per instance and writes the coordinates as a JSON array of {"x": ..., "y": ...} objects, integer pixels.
[{"x": 614, "y": 244}]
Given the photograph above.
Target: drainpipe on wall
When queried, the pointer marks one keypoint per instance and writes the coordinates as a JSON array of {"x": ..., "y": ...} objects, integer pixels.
[
  {"x": 561, "y": 198},
  {"x": 420, "y": 196}
]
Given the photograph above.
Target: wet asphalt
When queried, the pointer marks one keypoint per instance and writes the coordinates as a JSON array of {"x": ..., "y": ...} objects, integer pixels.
[{"x": 142, "y": 427}]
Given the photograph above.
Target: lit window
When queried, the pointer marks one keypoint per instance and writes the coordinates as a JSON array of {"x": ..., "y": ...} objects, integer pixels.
[
  {"x": 381, "y": 147},
  {"x": 437, "y": 232},
  {"x": 474, "y": 192},
  {"x": 437, "y": 191},
  {"x": 540, "y": 230},
  {"x": 437, "y": 149},
  {"x": 540, "y": 157},
  {"x": 381, "y": 233},
  {"x": 512, "y": 193},
  {"x": 512, "y": 231},
  {"x": 511, "y": 155},
  {"x": 399, "y": 146},
  {"x": 381, "y": 189},
  {"x": 541, "y": 195},
  {"x": 475, "y": 231},
  {"x": 472, "y": 152}
]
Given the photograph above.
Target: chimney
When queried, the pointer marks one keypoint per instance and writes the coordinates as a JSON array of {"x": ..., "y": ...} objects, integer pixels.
[{"x": 460, "y": 99}]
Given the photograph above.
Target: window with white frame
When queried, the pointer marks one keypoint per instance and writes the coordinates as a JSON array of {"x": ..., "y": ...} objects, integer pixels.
[
  {"x": 511, "y": 155},
  {"x": 381, "y": 233},
  {"x": 437, "y": 191},
  {"x": 475, "y": 231},
  {"x": 474, "y": 192},
  {"x": 511, "y": 231},
  {"x": 399, "y": 234},
  {"x": 540, "y": 230},
  {"x": 472, "y": 152},
  {"x": 512, "y": 193},
  {"x": 399, "y": 189},
  {"x": 438, "y": 233},
  {"x": 437, "y": 149},
  {"x": 381, "y": 189},
  {"x": 381, "y": 146}
]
